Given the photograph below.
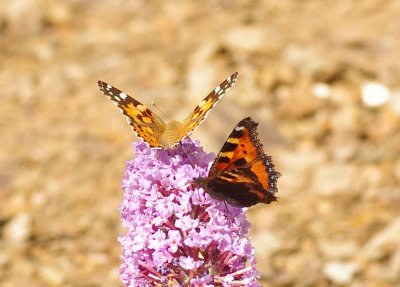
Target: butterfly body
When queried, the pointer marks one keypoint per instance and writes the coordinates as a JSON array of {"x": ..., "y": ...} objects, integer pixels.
[
  {"x": 171, "y": 133},
  {"x": 242, "y": 174},
  {"x": 154, "y": 130}
]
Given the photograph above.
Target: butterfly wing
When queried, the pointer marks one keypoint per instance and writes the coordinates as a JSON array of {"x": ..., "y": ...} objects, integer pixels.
[
  {"x": 200, "y": 112},
  {"x": 242, "y": 174},
  {"x": 239, "y": 187},
  {"x": 144, "y": 122}
]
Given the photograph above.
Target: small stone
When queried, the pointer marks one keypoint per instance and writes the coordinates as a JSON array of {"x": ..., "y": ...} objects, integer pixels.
[
  {"x": 343, "y": 147},
  {"x": 60, "y": 14},
  {"x": 19, "y": 229},
  {"x": 384, "y": 243},
  {"x": 20, "y": 15},
  {"x": 321, "y": 90},
  {"x": 341, "y": 272},
  {"x": 345, "y": 120},
  {"x": 375, "y": 94},
  {"x": 52, "y": 275},
  {"x": 311, "y": 62}
]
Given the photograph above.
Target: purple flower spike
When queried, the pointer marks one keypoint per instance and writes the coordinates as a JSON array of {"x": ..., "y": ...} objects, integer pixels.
[{"x": 177, "y": 234}]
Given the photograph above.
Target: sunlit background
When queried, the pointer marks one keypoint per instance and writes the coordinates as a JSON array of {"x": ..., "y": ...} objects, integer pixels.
[{"x": 320, "y": 77}]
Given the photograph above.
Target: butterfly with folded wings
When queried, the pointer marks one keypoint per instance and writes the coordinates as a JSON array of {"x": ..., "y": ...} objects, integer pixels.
[
  {"x": 242, "y": 174},
  {"x": 154, "y": 130}
]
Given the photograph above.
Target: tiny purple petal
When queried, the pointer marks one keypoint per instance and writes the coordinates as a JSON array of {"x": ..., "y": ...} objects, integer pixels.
[
  {"x": 157, "y": 240},
  {"x": 185, "y": 222},
  {"x": 174, "y": 240},
  {"x": 202, "y": 282},
  {"x": 189, "y": 263}
]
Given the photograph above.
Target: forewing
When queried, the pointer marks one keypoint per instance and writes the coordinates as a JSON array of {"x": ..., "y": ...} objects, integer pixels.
[
  {"x": 240, "y": 149},
  {"x": 200, "y": 112},
  {"x": 144, "y": 123},
  {"x": 243, "y": 154}
]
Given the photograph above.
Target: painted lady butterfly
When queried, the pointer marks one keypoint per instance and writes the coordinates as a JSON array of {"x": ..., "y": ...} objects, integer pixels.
[
  {"x": 151, "y": 128},
  {"x": 242, "y": 174}
]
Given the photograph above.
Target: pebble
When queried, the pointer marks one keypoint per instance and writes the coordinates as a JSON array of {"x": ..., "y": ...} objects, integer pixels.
[
  {"x": 321, "y": 90},
  {"x": 374, "y": 94},
  {"x": 345, "y": 120},
  {"x": 19, "y": 229},
  {"x": 341, "y": 273},
  {"x": 52, "y": 275},
  {"x": 311, "y": 62},
  {"x": 343, "y": 147}
]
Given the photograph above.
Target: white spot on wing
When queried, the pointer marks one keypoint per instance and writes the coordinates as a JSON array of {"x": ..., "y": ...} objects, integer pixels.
[{"x": 123, "y": 96}]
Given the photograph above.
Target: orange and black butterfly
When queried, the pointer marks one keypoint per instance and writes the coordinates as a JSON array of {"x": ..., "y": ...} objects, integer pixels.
[
  {"x": 242, "y": 174},
  {"x": 151, "y": 128}
]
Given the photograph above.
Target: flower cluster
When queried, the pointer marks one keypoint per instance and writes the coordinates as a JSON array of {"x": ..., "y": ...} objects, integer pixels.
[{"x": 176, "y": 234}]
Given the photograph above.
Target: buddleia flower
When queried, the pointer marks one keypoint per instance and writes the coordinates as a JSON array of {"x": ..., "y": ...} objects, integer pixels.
[{"x": 176, "y": 234}]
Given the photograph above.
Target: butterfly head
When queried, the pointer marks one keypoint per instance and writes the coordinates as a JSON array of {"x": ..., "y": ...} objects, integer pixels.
[{"x": 200, "y": 182}]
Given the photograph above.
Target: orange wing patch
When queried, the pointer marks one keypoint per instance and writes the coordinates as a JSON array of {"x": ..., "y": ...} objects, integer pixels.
[
  {"x": 264, "y": 170},
  {"x": 238, "y": 149}
]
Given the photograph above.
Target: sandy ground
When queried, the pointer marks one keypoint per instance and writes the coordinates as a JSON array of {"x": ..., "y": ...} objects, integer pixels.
[{"x": 307, "y": 71}]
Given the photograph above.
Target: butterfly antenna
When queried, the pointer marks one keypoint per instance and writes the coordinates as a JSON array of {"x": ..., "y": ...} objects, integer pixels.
[
  {"x": 158, "y": 109},
  {"x": 229, "y": 215},
  {"x": 226, "y": 207},
  {"x": 186, "y": 152}
]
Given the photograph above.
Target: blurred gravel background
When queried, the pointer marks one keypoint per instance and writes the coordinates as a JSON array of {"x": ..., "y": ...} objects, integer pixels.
[{"x": 321, "y": 78}]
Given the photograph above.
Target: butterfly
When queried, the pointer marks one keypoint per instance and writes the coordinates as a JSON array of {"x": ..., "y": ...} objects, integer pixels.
[
  {"x": 242, "y": 174},
  {"x": 151, "y": 128}
]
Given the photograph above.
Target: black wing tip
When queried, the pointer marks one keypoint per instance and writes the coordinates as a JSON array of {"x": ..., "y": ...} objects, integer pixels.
[
  {"x": 272, "y": 198},
  {"x": 101, "y": 85},
  {"x": 248, "y": 123}
]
